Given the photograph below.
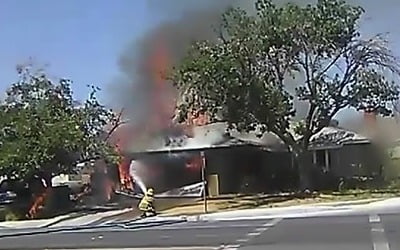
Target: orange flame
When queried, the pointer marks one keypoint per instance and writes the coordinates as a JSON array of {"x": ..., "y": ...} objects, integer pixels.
[
  {"x": 109, "y": 189},
  {"x": 195, "y": 119},
  {"x": 195, "y": 163},
  {"x": 38, "y": 203},
  {"x": 198, "y": 118},
  {"x": 123, "y": 170},
  {"x": 163, "y": 100}
]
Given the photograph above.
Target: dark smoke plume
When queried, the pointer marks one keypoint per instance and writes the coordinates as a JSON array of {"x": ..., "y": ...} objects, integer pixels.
[{"x": 189, "y": 20}]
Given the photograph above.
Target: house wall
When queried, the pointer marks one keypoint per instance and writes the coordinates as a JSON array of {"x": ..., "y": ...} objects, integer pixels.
[
  {"x": 244, "y": 169},
  {"x": 250, "y": 170},
  {"x": 348, "y": 161},
  {"x": 168, "y": 171},
  {"x": 356, "y": 159}
]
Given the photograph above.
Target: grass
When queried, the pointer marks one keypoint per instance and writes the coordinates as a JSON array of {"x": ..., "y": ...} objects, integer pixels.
[
  {"x": 235, "y": 202},
  {"x": 7, "y": 215}
]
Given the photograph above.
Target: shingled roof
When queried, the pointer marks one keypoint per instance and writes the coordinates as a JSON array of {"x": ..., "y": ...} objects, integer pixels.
[
  {"x": 334, "y": 137},
  {"x": 216, "y": 136}
]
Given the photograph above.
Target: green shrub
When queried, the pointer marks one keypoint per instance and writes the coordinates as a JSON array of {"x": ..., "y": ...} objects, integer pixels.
[
  {"x": 10, "y": 216},
  {"x": 6, "y": 214}
]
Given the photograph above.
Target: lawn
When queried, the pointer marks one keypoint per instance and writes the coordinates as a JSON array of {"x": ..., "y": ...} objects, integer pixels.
[{"x": 235, "y": 202}]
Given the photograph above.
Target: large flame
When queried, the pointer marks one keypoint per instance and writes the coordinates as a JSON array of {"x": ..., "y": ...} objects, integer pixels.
[
  {"x": 162, "y": 109},
  {"x": 194, "y": 163},
  {"x": 123, "y": 168},
  {"x": 40, "y": 189},
  {"x": 38, "y": 203},
  {"x": 163, "y": 99}
]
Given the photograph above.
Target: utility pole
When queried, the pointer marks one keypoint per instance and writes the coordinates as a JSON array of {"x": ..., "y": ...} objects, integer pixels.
[{"x": 203, "y": 179}]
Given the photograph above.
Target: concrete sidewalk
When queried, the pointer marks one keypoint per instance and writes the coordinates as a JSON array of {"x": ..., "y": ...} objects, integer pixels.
[
  {"x": 62, "y": 221},
  {"x": 119, "y": 216},
  {"x": 134, "y": 224},
  {"x": 299, "y": 211}
]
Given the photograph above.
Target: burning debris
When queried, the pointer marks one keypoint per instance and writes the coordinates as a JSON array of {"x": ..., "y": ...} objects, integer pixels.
[
  {"x": 150, "y": 99},
  {"x": 38, "y": 204},
  {"x": 126, "y": 181}
]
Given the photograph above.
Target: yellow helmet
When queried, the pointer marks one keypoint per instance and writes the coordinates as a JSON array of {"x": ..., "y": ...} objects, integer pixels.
[{"x": 150, "y": 191}]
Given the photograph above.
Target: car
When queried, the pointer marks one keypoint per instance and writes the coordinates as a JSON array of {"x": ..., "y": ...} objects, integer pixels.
[{"x": 7, "y": 196}]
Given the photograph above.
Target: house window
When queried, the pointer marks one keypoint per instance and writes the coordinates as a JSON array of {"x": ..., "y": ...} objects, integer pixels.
[{"x": 322, "y": 158}]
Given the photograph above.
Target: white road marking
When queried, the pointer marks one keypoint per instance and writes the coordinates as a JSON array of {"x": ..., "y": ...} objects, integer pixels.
[
  {"x": 256, "y": 232},
  {"x": 149, "y": 248},
  {"x": 206, "y": 235},
  {"x": 379, "y": 240},
  {"x": 374, "y": 218},
  {"x": 182, "y": 227},
  {"x": 253, "y": 234},
  {"x": 273, "y": 222},
  {"x": 231, "y": 247},
  {"x": 200, "y": 226}
]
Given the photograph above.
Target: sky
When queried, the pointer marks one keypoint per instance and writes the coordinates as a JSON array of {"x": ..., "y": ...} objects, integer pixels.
[
  {"x": 83, "y": 40},
  {"x": 76, "y": 39}
]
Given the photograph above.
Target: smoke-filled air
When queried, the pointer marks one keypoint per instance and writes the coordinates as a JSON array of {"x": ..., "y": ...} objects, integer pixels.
[{"x": 147, "y": 98}]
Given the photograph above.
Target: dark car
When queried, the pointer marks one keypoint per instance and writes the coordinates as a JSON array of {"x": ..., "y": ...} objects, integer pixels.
[{"x": 6, "y": 195}]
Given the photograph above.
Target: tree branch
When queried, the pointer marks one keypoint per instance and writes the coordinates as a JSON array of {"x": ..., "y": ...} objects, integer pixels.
[
  {"x": 332, "y": 63},
  {"x": 309, "y": 126},
  {"x": 116, "y": 124}
]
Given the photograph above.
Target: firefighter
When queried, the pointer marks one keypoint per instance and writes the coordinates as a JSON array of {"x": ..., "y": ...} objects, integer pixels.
[{"x": 146, "y": 204}]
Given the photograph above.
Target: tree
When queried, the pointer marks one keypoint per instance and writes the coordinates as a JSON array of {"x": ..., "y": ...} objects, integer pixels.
[
  {"x": 241, "y": 78},
  {"x": 43, "y": 129}
]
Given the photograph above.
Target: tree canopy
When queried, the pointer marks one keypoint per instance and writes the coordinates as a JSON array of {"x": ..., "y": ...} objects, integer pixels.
[
  {"x": 43, "y": 128},
  {"x": 241, "y": 77}
]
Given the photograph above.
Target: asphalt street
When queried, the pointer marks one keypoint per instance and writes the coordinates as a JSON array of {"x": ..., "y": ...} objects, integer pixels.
[{"x": 356, "y": 232}]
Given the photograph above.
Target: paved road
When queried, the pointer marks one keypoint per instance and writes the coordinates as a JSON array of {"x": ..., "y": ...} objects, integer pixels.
[{"x": 356, "y": 232}]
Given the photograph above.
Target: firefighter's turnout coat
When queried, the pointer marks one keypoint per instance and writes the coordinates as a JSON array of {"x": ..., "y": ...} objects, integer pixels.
[{"x": 146, "y": 204}]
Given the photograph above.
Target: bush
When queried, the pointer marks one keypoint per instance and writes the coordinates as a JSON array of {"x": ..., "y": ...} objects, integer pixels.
[
  {"x": 11, "y": 216},
  {"x": 394, "y": 184},
  {"x": 7, "y": 214}
]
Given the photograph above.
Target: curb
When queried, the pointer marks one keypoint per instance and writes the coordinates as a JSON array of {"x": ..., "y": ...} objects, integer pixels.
[
  {"x": 65, "y": 218},
  {"x": 348, "y": 203},
  {"x": 86, "y": 227},
  {"x": 315, "y": 210},
  {"x": 60, "y": 220},
  {"x": 323, "y": 205},
  {"x": 106, "y": 218}
]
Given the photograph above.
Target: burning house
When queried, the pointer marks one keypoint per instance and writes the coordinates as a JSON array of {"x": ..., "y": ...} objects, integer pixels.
[
  {"x": 239, "y": 165},
  {"x": 244, "y": 163},
  {"x": 167, "y": 155},
  {"x": 338, "y": 153}
]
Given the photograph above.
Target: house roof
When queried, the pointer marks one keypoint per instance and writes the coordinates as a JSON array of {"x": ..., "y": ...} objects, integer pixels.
[
  {"x": 210, "y": 136},
  {"x": 395, "y": 152},
  {"x": 334, "y": 137},
  {"x": 215, "y": 135},
  {"x": 387, "y": 129}
]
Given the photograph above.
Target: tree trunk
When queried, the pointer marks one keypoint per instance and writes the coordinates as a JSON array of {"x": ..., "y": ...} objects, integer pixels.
[{"x": 304, "y": 170}]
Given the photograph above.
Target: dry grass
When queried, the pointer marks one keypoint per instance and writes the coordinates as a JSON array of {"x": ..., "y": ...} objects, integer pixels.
[{"x": 228, "y": 203}]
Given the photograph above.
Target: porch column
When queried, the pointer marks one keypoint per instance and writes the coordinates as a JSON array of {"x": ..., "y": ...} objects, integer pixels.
[
  {"x": 327, "y": 159},
  {"x": 314, "y": 157}
]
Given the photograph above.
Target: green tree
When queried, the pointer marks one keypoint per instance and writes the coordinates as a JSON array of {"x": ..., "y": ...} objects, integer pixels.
[
  {"x": 43, "y": 129},
  {"x": 241, "y": 77}
]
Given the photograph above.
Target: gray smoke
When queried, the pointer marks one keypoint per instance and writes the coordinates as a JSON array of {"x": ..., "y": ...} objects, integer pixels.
[{"x": 190, "y": 20}]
